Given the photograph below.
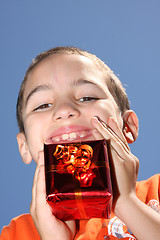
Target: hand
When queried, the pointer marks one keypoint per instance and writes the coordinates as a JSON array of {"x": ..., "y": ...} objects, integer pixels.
[
  {"x": 124, "y": 165},
  {"x": 48, "y": 226}
]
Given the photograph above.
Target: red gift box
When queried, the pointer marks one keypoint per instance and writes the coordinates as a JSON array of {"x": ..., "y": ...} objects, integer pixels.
[{"x": 78, "y": 183}]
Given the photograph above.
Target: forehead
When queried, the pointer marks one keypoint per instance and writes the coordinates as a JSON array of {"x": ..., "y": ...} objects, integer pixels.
[{"x": 64, "y": 69}]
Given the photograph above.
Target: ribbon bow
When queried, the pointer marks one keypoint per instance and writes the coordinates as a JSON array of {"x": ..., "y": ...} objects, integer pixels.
[{"x": 76, "y": 159}]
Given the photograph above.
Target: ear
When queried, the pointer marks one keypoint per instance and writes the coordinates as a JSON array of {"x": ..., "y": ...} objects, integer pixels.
[
  {"x": 130, "y": 128},
  {"x": 23, "y": 148}
]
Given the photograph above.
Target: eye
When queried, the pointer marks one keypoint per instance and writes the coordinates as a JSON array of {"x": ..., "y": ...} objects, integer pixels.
[
  {"x": 43, "y": 107},
  {"x": 88, "y": 99}
]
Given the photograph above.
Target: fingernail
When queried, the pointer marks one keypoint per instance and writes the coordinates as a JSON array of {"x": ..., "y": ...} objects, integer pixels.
[
  {"x": 111, "y": 120},
  {"x": 95, "y": 119},
  {"x": 39, "y": 153},
  {"x": 94, "y": 130}
]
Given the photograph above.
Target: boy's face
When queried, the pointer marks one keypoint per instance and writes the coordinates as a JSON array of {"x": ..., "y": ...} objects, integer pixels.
[{"x": 62, "y": 94}]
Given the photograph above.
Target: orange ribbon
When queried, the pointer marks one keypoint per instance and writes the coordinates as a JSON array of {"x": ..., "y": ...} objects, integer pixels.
[{"x": 76, "y": 159}]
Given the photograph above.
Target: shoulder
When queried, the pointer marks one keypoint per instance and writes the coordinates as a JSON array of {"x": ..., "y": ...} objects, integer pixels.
[
  {"x": 149, "y": 189},
  {"x": 155, "y": 179},
  {"x": 21, "y": 227}
]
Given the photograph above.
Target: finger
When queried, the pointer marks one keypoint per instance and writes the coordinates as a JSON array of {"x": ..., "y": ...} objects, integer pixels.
[
  {"x": 32, "y": 206},
  {"x": 117, "y": 130},
  {"x": 40, "y": 160},
  {"x": 41, "y": 206},
  {"x": 97, "y": 135},
  {"x": 40, "y": 187},
  {"x": 113, "y": 127},
  {"x": 102, "y": 127},
  {"x": 119, "y": 146},
  {"x": 72, "y": 227}
]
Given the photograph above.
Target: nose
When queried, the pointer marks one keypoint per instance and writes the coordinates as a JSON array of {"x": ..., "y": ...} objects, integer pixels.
[{"x": 65, "y": 111}]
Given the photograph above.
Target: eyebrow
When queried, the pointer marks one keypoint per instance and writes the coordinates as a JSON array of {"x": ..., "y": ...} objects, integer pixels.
[
  {"x": 43, "y": 87},
  {"x": 83, "y": 82}
]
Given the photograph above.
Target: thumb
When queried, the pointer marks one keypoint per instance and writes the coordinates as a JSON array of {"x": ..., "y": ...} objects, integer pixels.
[{"x": 72, "y": 227}]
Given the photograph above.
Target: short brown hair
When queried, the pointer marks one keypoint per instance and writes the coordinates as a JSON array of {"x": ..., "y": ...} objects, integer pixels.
[{"x": 114, "y": 85}]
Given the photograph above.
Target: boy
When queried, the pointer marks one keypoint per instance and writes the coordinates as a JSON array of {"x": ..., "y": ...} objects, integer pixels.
[{"x": 71, "y": 95}]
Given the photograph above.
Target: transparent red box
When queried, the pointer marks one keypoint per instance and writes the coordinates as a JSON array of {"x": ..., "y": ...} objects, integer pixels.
[{"x": 78, "y": 183}]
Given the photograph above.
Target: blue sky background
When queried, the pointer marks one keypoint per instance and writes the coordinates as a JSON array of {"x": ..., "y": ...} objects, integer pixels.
[{"x": 123, "y": 33}]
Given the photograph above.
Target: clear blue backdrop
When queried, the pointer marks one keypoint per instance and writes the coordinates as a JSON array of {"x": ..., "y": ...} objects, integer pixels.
[{"x": 123, "y": 33}]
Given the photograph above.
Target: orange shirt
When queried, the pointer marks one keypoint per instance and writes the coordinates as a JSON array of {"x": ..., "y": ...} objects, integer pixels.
[{"x": 148, "y": 191}]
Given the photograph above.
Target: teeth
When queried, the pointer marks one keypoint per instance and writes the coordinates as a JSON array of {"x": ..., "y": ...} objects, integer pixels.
[
  {"x": 82, "y": 134},
  {"x": 65, "y": 136},
  {"x": 56, "y": 139},
  {"x": 70, "y": 136}
]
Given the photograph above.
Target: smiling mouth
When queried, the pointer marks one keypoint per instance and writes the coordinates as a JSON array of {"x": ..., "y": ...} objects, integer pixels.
[{"x": 81, "y": 135}]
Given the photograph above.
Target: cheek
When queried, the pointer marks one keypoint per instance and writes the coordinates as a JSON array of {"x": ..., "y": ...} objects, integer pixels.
[
  {"x": 34, "y": 133},
  {"x": 34, "y": 123},
  {"x": 31, "y": 129},
  {"x": 104, "y": 110}
]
